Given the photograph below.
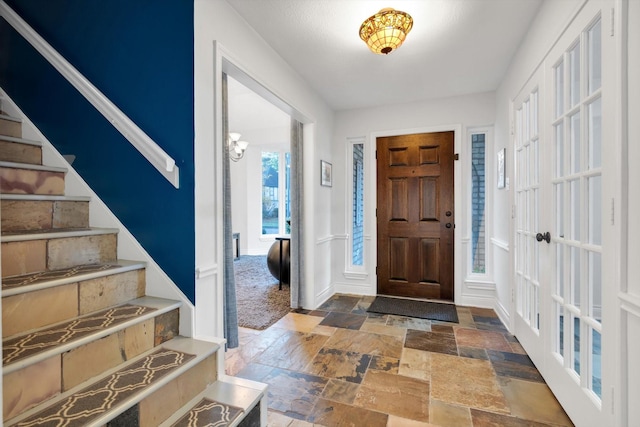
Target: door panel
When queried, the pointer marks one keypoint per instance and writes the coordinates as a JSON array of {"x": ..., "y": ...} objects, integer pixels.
[
  {"x": 559, "y": 128},
  {"x": 415, "y": 215}
]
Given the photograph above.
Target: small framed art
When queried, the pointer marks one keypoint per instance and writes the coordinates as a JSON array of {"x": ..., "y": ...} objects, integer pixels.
[{"x": 326, "y": 176}]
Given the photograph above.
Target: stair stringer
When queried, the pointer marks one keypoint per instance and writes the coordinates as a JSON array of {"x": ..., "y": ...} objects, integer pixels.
[{"x": 158, "y": 283}]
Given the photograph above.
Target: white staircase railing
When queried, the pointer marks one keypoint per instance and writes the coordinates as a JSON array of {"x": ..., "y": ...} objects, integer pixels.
[{"x": 136, "y": 136}]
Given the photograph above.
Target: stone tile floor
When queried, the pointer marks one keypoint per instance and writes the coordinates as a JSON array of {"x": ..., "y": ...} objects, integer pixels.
[{"x": 342, "y": 366}]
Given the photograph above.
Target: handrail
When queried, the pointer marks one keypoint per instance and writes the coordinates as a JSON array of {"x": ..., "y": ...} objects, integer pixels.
[{"x": 136, "y": 136}]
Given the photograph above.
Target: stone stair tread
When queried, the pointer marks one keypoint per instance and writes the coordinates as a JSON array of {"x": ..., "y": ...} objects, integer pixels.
[
  {"x": 14, "y": 165},
  {"x": 40, "y": 344},
  {"x": 15, "y": 285},
  {"x": 233, "y": 396},
  {"x": 54, "y": 233},
  {"x": 20, "y": 140},
  {"x": 43, "y": 197},
  {"x": 100, "y": 400}
]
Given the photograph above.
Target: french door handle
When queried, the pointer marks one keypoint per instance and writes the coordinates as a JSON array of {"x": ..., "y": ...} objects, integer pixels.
[{"x": 546, "y": 236}]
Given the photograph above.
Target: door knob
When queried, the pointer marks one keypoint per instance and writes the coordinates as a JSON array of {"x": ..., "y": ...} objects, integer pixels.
[
  {"x": 448, "y": 213},
  {"x": 544, "y": 236},
  {"x": 448, "y": 225}
]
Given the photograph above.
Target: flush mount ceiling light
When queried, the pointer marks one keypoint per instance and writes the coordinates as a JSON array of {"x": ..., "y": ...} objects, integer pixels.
[
  {"x": 385, "y": 31},
  {"x": 236, "y": 147}
]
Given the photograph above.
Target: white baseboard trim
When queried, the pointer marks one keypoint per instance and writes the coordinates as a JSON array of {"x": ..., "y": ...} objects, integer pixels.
[
  {"x": 354, "y": 289},
  {"x": 503, "y": 314},
  {"x": 322, "y": 297}
]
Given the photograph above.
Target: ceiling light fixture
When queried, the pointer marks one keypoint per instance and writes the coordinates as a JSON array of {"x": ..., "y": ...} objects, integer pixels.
[
  {"x": 236, "y": 147},
  {"x": 385, "y": 31}
]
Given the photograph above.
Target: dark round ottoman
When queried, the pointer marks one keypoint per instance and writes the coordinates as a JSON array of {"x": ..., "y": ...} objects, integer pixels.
[{"x": 273, "y": 260}]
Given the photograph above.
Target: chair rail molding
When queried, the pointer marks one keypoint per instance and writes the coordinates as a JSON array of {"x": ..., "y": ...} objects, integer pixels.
[{"x": 164, "y": 163}]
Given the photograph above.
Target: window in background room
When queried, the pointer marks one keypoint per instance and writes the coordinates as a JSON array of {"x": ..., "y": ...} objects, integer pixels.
[{"x": 276, "y": 212}]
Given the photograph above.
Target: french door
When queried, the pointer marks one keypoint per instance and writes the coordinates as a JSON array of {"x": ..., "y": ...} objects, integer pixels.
[{"x": 559, "y": 133}]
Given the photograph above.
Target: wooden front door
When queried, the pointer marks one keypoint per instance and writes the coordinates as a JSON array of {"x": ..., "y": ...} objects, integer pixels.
[{"x": 415, "y": 212}]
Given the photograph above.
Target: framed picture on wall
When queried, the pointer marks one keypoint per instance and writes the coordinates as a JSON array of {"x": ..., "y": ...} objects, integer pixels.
[
  {"x": 501, "y": 155},
  {"x": 325, "y": 174}
]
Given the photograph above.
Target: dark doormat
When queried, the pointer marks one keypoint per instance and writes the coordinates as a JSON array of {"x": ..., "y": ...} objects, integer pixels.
[{"x": 413, "y": 308}]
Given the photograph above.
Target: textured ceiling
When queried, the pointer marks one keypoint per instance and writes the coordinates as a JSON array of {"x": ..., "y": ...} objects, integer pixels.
[{"x": 455, "y": 47}]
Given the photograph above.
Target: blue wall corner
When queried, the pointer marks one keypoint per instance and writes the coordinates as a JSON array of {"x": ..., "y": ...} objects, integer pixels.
[{"x": 140, "y": 55}]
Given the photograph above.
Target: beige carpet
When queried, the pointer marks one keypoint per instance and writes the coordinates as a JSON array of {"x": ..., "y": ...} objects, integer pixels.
[{"x": 260, "y": 303}]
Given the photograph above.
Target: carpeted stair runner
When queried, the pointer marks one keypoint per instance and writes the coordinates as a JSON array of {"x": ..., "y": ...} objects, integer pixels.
[
  {"x": 209, "y": 413},
  {"x": 20, "y": 347},
  {"x": 51, "y": 275},
  {"x": 87, "y": 404}
]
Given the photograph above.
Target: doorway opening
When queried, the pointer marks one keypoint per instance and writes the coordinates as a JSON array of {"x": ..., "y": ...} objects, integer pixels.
[{"x": 261, "y": 206}]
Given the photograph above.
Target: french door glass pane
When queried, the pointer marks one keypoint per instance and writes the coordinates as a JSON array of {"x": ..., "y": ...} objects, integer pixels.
[
  {"x": 535, "y": 163},
  {"x": 574, "y": 215},
  {"x": 559, "y": 89},
  {"x": 559, "y": 157},
  {"x": 575, "y": 343},
  {"x": 534, "y": 210},
  {"x": 534, "y": 114},
  {"x": 574, "y": 74},
  {"x": 559, "y": 201},
  {"x": 574, "y": 152},
  {"x": 595, "y": 214},
  {"x": 596, "y": 363},
  {"x": 574, "y": 274},
  {"x": 594, "y": 57},
  {"x": 595, "y": 285},
  {"x": 559, "y": 341},
  {"x": 560, "y": 269},
  {"x": 595, "y": 134},
  {"x": 526, "y": 130}
]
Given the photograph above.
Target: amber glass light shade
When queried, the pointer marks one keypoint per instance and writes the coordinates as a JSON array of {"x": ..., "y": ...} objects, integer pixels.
[{"x": 385, "y": 31}]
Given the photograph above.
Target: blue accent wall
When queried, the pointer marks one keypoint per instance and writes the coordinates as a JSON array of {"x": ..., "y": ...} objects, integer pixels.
[{"x": 139, "y": 53}]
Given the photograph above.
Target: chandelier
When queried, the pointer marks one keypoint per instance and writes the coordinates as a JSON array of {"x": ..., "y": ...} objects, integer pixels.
[{"x": 385, "y": 31}]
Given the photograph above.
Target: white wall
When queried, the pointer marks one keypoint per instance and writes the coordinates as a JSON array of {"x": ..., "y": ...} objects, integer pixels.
[
  {"x": 220, "y": 32},
  {"x": 456, "y": 113}
]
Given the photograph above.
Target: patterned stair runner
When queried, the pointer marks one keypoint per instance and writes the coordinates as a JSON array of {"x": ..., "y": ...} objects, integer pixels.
[
  {"x": 209, "y": 413},
  {"x": 82, "y": 407},
  {"x": 46, "y": 276},
  {"x": 20, "y": 347}
]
